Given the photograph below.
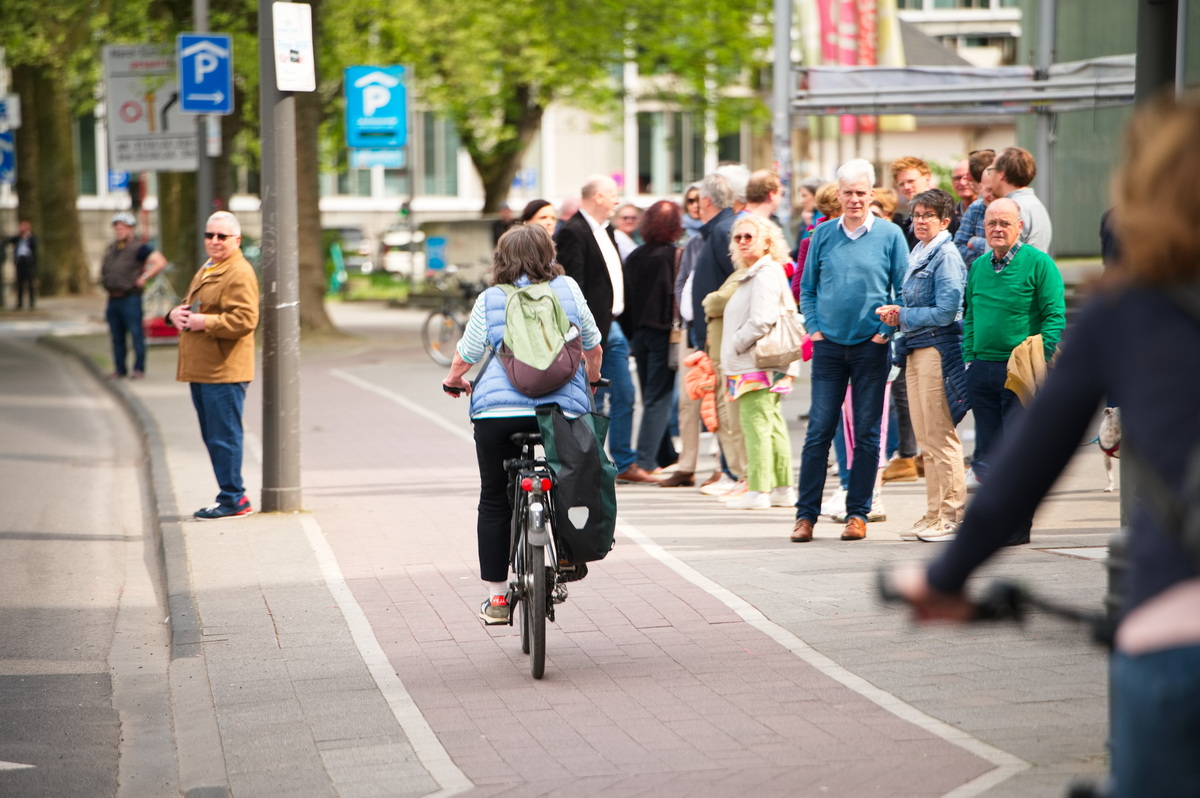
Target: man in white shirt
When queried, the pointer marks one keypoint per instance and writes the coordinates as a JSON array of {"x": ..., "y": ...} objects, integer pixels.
[
  {"x": 588, "y": 254},
  {"x": 1009, "y": 176}
]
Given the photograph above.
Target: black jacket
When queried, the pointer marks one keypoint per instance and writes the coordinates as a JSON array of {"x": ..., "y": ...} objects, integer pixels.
[{"x": 580, "y": 257}]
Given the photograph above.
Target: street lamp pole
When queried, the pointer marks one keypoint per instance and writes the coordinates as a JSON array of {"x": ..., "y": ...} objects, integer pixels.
[{"x": 781, "y": 127}]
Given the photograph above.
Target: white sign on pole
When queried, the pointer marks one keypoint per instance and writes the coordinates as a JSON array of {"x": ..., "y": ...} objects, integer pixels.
[
  {"x": 146, "y": 129},
  {"x": 295, "y": 64}
]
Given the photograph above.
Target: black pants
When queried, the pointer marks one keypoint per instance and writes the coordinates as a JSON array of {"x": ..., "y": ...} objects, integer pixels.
[
  {"x": 26, "y": 276},
  {"x": 493, "y": 445}
]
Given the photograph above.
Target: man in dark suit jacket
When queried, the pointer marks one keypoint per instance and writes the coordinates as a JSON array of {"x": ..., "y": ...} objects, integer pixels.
[{"x": 588, "y": 254}]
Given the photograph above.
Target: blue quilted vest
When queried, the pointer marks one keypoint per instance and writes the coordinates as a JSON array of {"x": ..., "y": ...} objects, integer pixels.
[{"x": 492, "y": 388}]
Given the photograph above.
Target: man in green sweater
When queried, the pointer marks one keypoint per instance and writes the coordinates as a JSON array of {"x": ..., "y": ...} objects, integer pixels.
[{"x": 1013, "y": 291}]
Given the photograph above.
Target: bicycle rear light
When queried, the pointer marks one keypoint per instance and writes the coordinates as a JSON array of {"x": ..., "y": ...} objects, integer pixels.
[
  {"x": 527, "y": 484},
  {"x": 546, "y": 484}
]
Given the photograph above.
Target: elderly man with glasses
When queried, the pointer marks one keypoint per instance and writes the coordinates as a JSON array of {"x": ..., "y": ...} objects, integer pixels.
[
  {"x": 1014, "y": 291},
  {"x": 216, "y": 322}
]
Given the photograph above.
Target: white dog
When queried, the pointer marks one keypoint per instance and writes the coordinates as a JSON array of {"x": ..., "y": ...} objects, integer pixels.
[{"x": 1110, "y": 441}]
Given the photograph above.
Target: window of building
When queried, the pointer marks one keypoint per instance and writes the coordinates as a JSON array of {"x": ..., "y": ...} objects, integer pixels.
[
  {"x": 439, "y": 148},
  {"x": 671, "y": 151},
  {"x": 87, "y": 176}
]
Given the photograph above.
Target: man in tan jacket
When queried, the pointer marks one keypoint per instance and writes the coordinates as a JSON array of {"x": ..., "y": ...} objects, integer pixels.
[{"x": 216, "y": 324}]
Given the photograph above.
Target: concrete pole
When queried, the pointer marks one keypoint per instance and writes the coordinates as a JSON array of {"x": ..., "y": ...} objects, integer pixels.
[
  {"x": 1156, "y": 47},
  {"x": 281, "y": 283},
  {"x": 781, "y": 123},
  {"x": 1046, "y": 120},
  {"x": 204, "y": 166}
]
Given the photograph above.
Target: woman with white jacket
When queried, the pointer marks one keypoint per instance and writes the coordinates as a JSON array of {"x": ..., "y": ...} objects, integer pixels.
[{"x": 758, "y": 247}]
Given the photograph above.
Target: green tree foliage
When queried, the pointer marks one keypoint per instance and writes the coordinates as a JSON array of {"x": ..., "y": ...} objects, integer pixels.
[{"x": 494, "y": 68}]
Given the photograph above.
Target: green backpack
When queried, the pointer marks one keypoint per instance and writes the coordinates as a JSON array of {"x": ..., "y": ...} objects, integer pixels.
[{"x": 541, "y": 349}]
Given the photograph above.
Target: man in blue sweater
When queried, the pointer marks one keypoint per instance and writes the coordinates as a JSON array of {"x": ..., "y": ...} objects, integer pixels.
[{"x": 854, "y": 266}]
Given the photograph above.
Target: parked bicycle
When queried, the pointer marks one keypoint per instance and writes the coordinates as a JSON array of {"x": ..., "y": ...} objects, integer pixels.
[
  {"x": 444, "y": 326},
  {"x": 1005, "y": 600}
]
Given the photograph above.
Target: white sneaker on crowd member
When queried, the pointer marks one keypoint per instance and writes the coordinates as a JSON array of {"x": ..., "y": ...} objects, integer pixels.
[
  {"x": 972, "y": 481},
  {"x": 719, "y": 487},
  {"x": 783, "y": 496},
  {"x": 918, "y": 528},
  {"x": 835, "y": 505},
  {"x": 750, "y": 500},
  {"x": 738, "y": 489},
  {"x": 943, "y": 532}
]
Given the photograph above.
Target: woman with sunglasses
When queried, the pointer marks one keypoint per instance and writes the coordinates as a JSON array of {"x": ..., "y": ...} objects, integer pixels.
[
  {"x": 757, "y": 247},
  {"x": 691, "y": 213}
]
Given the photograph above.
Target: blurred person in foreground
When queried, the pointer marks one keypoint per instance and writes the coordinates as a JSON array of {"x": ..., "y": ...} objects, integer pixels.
[
  {"x": 216, "y": 322},
  {"x": 523, "y": 255},
  {"x": 1156, "y": 664}
]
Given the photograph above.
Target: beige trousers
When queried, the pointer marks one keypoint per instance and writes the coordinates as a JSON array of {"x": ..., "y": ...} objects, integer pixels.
[
  {"x": 729, "y": 430},
  {"x": 945, "y": 490},
  {"x": 689, "y": 417}
]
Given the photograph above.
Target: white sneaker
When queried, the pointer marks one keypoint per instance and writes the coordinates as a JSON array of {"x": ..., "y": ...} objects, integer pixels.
[
  {"x": 835, "y": 505},
  {"x": 877, "y": 513},
  {"x": 738, "y": 489},
  {"x": 722, "y": 485},
  {"x": 783, "y": 496},
  {"x": 972, "y": 481},
  {"x": 750, "y": 500},
  {"x": 940, "y": 533},
  {"x": 917, "y": 529}
]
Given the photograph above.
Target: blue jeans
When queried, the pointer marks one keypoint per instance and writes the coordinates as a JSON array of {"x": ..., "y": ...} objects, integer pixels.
[
  {"x": 650, "y": 348},
  {"x": 615, "y": 367},
  {"x": 864, "y": 367},
  {"x": 995, "y": 407},
  {"x": 124, "y": 317},
  {"x": 1156, "y": 722},
  {"x": 219, "y": 408}
]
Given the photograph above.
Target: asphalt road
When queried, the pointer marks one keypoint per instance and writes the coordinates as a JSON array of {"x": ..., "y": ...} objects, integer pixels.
[{"x": 83, "y": 646}]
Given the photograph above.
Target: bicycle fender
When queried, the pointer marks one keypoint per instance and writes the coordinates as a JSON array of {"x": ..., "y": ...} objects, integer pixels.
[{"x": 537, "y": 524}]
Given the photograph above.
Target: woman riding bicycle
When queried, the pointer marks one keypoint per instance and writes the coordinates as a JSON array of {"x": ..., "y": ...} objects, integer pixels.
[
  {"x": 523, "y": 255},
  {"x": 1136, "y": 344}
]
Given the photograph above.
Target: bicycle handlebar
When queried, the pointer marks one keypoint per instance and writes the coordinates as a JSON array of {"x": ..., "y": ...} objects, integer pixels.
[{"x": 1006, "y": 600}]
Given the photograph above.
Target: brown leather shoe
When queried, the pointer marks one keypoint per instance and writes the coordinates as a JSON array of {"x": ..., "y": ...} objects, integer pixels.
[
  {"x": 902, "y": 469},
  {"x": 680, "y": 479},
  {"x": 802, "y": 531},
  {"x": 856, "y": 528},
  {"x": 636, "y": 473}
]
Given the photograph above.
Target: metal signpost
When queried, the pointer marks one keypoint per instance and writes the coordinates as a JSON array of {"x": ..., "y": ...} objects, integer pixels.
[{"x": 286, "y": 64}]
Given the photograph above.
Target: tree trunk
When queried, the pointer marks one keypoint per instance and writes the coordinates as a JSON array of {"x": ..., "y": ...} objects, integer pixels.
[
  {"x": 60, "y": 239},
  {"x": 28, "y": 152},
  {"x": 177, "y": 231},
  {"x": 498, "y": 166},
  {"x": 313, "y": 318}
]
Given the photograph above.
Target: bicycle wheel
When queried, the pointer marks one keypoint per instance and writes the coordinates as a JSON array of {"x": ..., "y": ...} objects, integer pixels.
[
  {"x": 533, "y": 612},
  {"x": 440, "y": 334}
]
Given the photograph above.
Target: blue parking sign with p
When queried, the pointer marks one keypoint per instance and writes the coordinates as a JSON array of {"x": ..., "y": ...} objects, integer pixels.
[
  {"x": 205, "y": 73},
  {"x": 376, "y": 107}
]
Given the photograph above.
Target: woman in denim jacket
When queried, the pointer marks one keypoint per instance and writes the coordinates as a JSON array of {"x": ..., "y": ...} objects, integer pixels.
[{"x": 931, "y": 342}]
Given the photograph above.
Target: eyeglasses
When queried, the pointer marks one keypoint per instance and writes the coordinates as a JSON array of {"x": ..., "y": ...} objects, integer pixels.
[
  {"x": 925, "y": 217},
  {"x": 740, "y": 237},
  {"x": 1001, "y": 223},
  {"x": 218, "y": 236},
  {"x": 692, "y": 200},
  {"x": 628, "y": 218},
  {"x": 958, "y": 178}
]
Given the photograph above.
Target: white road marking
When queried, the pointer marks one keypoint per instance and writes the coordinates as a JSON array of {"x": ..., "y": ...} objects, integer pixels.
[
  {"x": 14, "y": 766},
  {"x": 1006, "y": 764},
  {"x": 424, "y": 741}
]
